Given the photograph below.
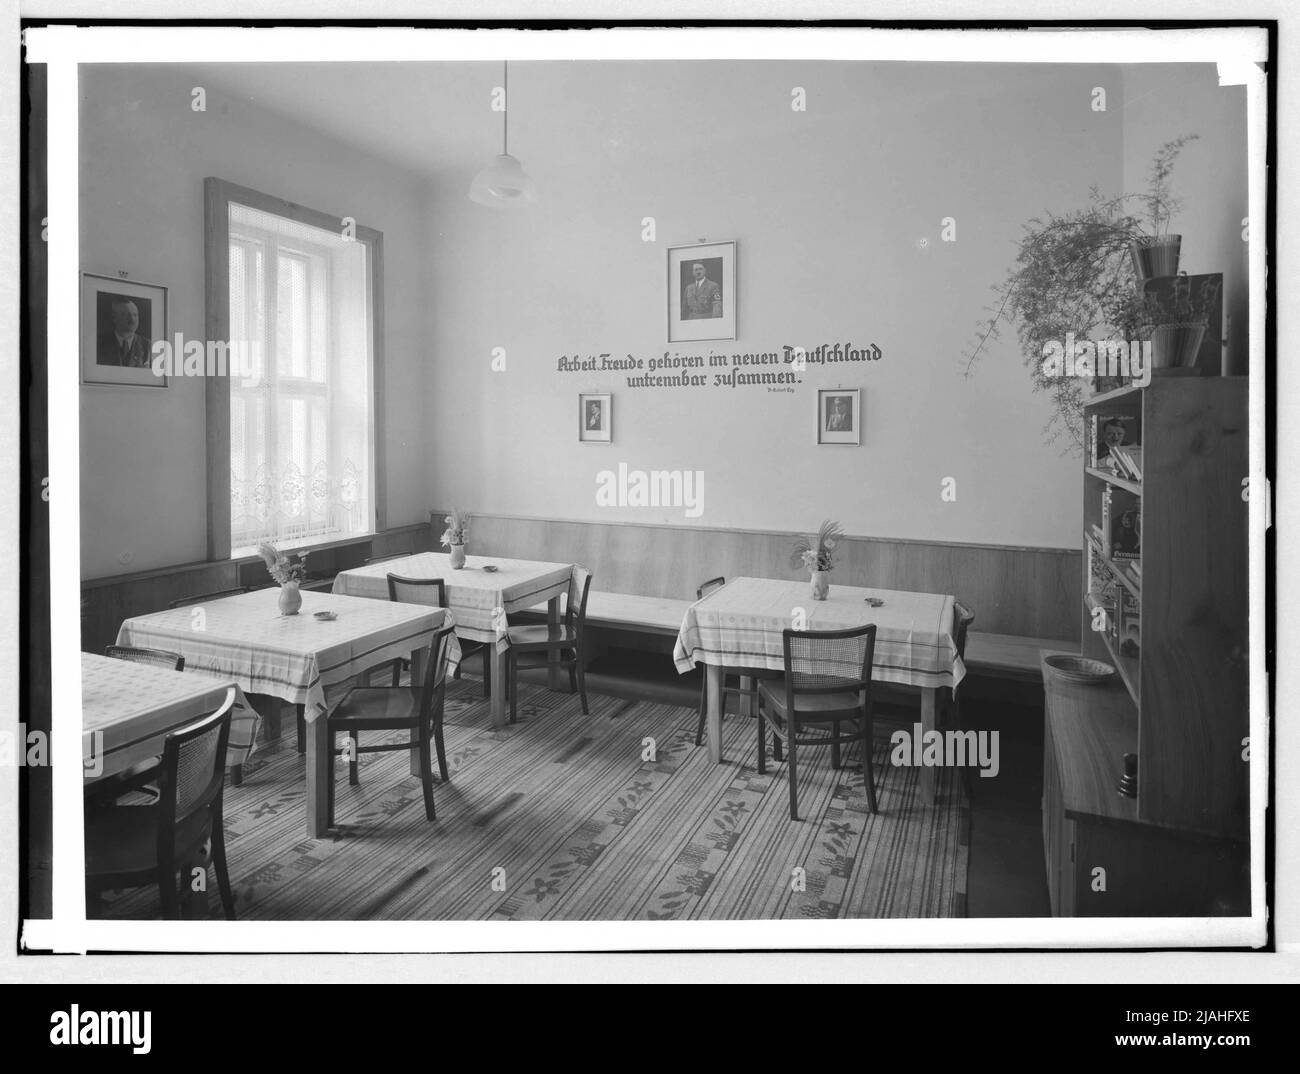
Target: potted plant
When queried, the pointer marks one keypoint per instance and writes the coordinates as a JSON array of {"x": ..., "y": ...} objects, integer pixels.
[
  {"x": 818, "y": 558},
  {"x": 1075, "y": 273},
  {"x": 1156, "y": 252},
  {"x": 288, "y": 571},
  {"x": 454, "y": 535},
  {"x": 1174, "y": 317}
]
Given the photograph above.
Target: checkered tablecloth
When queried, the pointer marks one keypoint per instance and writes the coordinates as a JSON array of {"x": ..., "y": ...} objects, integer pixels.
[
  {"x": 740, "y": 625},
  {"x": 127, "y": 709},
  {"x": 297, "y": 658},
  {"x": 478, "y": 599}
]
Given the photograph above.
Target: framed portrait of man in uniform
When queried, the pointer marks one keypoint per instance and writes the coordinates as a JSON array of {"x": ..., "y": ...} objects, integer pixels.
[
  {"x": 839, "y": 416},
  {"x": 596, "y": 419},
  {"x": 701, "y": 292}
]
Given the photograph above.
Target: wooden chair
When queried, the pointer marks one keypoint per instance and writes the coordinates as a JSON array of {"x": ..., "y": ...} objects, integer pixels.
[
  {"x": 827, "y": 682},
  {"x": 400, "y": 708},
  {"x": 203, "y": 598},
  {"x": 428, "y": 591},
  {"x": 131, "y": 846},
  {"x": 742, "y": 675},
  {"x": 564, "y": 639},
  {"x": 161, "y": 658}
]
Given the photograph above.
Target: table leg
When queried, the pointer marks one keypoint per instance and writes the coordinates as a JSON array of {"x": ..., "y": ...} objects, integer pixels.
[
  {"x": 714, "y": 721},
  {"x": 272, "y": 718},
  {"x": 553, "y": 657},
  {"x": 320, "y": 771},
  {"x": 499, "y": 684},
  {"x": 927, "y": 776},
  {"x": 417, "y": 680},
  {"x": 746, "y": 706}
]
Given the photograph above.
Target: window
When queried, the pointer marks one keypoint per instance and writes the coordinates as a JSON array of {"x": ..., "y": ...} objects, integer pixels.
[{"x": 301, "y": 386}]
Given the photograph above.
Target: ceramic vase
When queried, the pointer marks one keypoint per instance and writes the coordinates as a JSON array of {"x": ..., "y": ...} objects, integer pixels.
[
  {"x": 821, "y": 587},
  {"x": 290, "y": 599},
  {"x": 457, "y": 556}
]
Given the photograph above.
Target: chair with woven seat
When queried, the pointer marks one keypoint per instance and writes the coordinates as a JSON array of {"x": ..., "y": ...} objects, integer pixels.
[
  {"x": 827, "y": 683},
  {"x": 742, "y": 674},
  {"x": 399, "y": 708},
  {"x": 203, "y": 598},
  {"x": 428, "y": 591},
  {"x": 134, "y": 846},
  {"x": 565, "y": 641}
]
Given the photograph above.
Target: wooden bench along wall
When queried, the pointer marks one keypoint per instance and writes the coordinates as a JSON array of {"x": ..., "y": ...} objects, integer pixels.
[{"x": 1028, "y": 592}]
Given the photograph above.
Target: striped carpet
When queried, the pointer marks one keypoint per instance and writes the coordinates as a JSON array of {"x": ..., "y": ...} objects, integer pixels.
[{"x": 613, "y": 816}]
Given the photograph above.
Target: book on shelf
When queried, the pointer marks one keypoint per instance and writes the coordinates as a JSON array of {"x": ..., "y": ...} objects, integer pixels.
[
  {"x": 1121, "y": 522},
  {"x": 1109, "y": 431},
  {"x": 1128, "y": 460},
  {"x": 1130, "y": 625},
  {"x": 1103, "y": 589}
]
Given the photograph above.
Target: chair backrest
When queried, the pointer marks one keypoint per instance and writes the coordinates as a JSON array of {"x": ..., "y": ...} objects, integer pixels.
[
  {"x": 434, "y": 687},
  {"x": 430, "y": 591},
  {"x": 157, "y": 657},
  {"x": 829, "y": 661},
  {"x": 712, "y": 585},
  {"x": 962, "y": 617},
  {"x": 391, "y": 555},
  {"x": 193, "y": 773},
  {"x": 203, "y": 598},
  {"x": 575, "y": 604}
]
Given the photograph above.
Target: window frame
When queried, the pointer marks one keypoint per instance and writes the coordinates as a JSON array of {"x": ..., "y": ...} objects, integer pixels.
[{"x": 218, "y": 194}]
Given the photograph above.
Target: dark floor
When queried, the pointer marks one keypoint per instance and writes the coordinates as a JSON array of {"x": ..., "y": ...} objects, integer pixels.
[{"x": 1007, "y": 869}]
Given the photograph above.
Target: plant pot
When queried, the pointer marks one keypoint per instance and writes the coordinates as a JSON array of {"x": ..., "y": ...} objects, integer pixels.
[
  {"x": 457, "y": 557},
  {"x": 1175, "y": 346},
  {"x": 821, "y": 585},
  {"x": 1155, "y": 256},
  {"x": 290, "y": 599}
]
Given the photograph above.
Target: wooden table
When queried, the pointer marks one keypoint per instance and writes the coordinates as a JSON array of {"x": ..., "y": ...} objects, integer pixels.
[
  {"x": 296, "y": 658},
  {"x": 128, "y": 709},
  {"x": 479, "y": 600},
  {"x": 741, "y": 625}
]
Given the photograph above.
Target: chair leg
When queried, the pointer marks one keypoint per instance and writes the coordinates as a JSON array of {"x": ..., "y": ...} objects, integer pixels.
[
  {"x": 835, "y": 744},
  {"x": 868, "y": 771},
  {"x": 354, "y": 773},
  {"x": 442, "y": 751},
  {"x": 762, "y": 739},
  {"x": 794, "y": 781},
  {"x": 704, "y": 706},
  {"x": 219, "y": 863},
  {"x": 236, "y": 774},
  {"x": 329, "y": 788},
  {"x": 397, "y": 673},
  {"x": 301, "y": 723},
  {"x": 573, "y": 679},
  {"x": 487, "y": 672},
  {"x": 582, "y": 681},
  {"x": 777, "y": 751},
  {"x": 426, "y": 776},
  {"x": 512, "y": 677}
]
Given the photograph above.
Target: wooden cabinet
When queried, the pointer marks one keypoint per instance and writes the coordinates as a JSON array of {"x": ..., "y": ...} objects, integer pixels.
[{"x": 1178, "y": 637}]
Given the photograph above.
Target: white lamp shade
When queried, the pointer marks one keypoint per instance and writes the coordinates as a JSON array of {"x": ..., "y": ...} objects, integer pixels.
[{"x": 503, "y": 185}]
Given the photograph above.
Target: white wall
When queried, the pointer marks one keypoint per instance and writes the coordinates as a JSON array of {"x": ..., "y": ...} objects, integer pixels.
[
  {"x": 144, "y": 157},
  {"x": 828, "y": 207}
]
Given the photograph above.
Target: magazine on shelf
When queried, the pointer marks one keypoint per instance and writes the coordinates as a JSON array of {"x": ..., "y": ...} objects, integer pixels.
[
  {"x": 1122, "y": 523},
  {"x": 1108, "y": 431}
]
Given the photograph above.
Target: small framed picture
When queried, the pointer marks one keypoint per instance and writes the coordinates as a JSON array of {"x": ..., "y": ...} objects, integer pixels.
[
  {"x": 120, "y": 320},
  {"x": 839, "y": 416},
  {"x": 702, "y": 292},
  {"x": 596, "y": 419}
]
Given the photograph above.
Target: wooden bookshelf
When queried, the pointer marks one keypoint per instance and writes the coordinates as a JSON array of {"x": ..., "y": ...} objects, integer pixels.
[{"x": 1181, "y": 702}]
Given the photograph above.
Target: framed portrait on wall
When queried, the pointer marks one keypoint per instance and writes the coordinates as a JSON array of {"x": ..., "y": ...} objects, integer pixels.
[
  {"x": 120, "y": 320},
  {"x": 596, "y": 419},
  {"x": 839, "y": 416},
  {"x": 702, "y": 292}
]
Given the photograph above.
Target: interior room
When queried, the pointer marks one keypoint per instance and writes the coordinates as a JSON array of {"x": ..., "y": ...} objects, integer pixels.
[{"x": 663, "y": 490}]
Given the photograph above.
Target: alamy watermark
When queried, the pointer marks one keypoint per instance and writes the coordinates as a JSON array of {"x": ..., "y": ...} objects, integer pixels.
[
  {"x": 655, "y": 488},
  {"x": 1090, "y": 358}
]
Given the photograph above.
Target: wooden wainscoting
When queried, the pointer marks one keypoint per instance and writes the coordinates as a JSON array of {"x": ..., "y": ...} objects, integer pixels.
[
  {"x": 107, "y": 601},
  {"x": 1023, "y": 591}
]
